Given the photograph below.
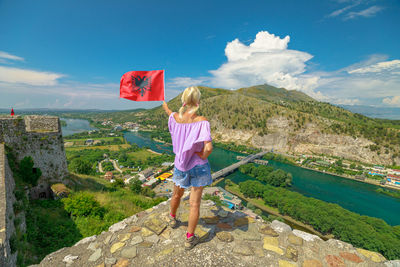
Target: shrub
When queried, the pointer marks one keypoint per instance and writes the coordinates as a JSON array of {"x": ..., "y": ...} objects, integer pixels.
[
  {"x": 83, "y": 204},
  {"x": 118, "y": 183},
  {"x": 146, "y": 191},
  {"x": 135, "y": 185},
  {"x": 29, "y": 174}
]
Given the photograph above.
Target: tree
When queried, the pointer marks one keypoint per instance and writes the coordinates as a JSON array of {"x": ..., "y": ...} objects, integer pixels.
[
  {"x": 28, "y": 173},
  {"x": 81, "y": 166},
  {"x": 135, "y": 185},
  {"x": 146, "y": 191},
  {"x": 228, "y": 182},
  {"x": 118, "y": 182}
]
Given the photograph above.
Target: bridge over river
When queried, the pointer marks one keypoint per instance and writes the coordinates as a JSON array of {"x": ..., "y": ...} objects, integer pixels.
[{"x": 236, "y": 165}]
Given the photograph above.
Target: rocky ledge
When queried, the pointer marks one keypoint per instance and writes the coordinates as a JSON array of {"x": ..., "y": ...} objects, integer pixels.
[{"x": 229, "y": 238}]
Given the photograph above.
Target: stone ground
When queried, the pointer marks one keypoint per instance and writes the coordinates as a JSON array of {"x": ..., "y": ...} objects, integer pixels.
[{"x": 229, "y": 238}]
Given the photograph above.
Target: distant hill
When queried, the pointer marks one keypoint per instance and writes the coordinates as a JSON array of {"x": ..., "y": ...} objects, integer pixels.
[
  {"x": 290, "y": 121},
  {"x": 375, "y": 112}
]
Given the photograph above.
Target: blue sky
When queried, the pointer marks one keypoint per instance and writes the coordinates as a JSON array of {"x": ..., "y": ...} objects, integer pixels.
[{"x": 71, "y": 54}]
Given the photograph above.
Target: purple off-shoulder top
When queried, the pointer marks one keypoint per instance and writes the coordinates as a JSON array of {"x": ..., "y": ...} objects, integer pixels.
[{"x": 188, "y": 138}]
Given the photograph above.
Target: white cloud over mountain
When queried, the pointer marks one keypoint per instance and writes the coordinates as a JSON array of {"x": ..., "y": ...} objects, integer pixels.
[{"x": 266, "y": 60}]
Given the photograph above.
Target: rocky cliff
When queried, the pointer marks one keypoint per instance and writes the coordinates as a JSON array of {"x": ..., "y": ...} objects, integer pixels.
[
  {"x": 229, "y": 238},
  {"x": 289, "y": 121}
]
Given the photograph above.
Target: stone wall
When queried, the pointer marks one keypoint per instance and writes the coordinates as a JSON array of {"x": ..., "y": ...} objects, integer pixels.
[
  {"x": 39, "y": 137},
  {"x": 36, "y": 123},
  {"x": 7, "y": 199},
  {"x": 228, "y": 238}
]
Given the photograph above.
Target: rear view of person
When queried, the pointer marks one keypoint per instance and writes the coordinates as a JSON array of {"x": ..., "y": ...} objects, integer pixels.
[{"x": 191, "y": 140}]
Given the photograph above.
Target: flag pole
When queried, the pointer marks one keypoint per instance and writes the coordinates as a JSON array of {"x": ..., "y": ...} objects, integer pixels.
[{"x": 164, "y": 83}]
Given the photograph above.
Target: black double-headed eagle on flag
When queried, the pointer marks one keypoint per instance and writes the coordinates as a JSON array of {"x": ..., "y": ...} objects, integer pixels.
[{"x": 141, "y": 84}]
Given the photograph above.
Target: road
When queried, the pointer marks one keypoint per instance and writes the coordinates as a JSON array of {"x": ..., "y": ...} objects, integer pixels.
[{"x": 115, "y": 164}]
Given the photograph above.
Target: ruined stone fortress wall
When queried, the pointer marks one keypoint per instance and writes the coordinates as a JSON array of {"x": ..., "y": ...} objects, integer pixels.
[
  {"x": 7, "y": 199},
  {"x": 39, "y": 137},
  {"x": 36, "y": 136}
]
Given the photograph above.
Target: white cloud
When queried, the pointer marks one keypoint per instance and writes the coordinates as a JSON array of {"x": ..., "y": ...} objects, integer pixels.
[
  {"x": 183, "y": 82},
  {"x": 385, "y": 66},
  {"x": 7, "y": 56},
  {"x": 342, "y": 10},
  {"x": 393, "y": 101},
  {"x": 31, "y": 77},
  {"x": 366, "y": 13},
  {"x": 266, "y": 60}
]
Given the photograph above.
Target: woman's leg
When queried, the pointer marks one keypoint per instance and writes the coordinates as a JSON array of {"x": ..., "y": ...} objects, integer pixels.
[
  {"x": 195, "y": 198},
  {"x": 176, "y": 198}
]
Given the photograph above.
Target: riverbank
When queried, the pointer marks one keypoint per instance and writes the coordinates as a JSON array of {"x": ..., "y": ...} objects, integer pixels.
[
  {"x": 152, "y": 151},
  {"x": 161, "y": 141},
  {"x": 367, "y": 180},
  {"x": 258, "y": 203}
]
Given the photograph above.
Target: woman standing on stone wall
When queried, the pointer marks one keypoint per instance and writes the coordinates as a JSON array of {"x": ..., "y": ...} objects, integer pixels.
[{"x": 191, "y": 140}]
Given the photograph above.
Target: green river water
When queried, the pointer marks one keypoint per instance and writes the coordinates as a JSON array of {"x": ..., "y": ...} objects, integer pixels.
[{"x": 352, "y": 195}]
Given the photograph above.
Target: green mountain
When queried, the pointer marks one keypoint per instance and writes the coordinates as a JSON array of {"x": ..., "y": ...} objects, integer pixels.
[
  {"x": 290, "y": 121},
  {"x": 271, "y": 93}
]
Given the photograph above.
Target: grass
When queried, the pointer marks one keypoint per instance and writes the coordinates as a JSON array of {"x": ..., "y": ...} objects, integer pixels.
[
  {"x": 141, "y": 154},
  {"x": 98, "y": 138},
  {"x": 109, "y": 147}
]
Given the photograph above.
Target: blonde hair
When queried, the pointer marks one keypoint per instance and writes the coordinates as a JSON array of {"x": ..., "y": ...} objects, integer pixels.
[{"x": 190, "y": 100}]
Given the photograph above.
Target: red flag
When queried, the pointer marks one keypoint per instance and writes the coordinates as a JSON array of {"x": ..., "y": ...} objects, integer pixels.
[
  {"x": 12, "y": 112},
  {"x": 142, "y": 85}
]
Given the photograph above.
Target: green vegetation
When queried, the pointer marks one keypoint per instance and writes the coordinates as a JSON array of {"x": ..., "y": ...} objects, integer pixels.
[
  {"x": 388, "y": 192},
  {"x": 98, "y": 134},
  {"x": 82, "y": 166},
  {"x": 26, "y": 171},
  {"x": 216, "y": 199},
  {"x": 63, "y": 123},
  {"x": 161, "y": 135},
  {"x": 361, "y": 231},
  {"x": 85, "y": 160},
  {"x": 107, "y": 166},
  {"x": 278, "y": 157},
  {"x": 267, "y": 174},
  {"x": 238, "y": 148},
  {"x": 337, "y": 167},
  {"x": 92, "y": 207}
]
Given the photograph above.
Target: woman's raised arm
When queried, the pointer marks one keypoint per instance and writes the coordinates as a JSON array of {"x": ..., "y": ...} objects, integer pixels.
[{"x": 165, "y": 107}]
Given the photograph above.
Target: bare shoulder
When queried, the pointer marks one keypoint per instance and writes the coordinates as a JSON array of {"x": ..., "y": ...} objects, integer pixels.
[{"x": 201, "y": 118}]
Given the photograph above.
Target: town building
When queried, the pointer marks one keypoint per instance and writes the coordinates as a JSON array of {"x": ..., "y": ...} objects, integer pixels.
[
  {"x": 108, "y": 176},
  {"x": 229, "y": 200},
  {"x": 118, "y": 128},
  {"x": 393, "y": 179},
  {"x": 89, "y": 142},
  {"x": 150, "y": 182},
  {"x": 147, "y": 172}
]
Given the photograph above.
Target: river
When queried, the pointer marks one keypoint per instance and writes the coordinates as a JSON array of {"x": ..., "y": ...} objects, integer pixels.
[
  {"x": 356, "y": 196},
  {"x": 350, "y": 194},
  {"x": 75, "y": 126}
]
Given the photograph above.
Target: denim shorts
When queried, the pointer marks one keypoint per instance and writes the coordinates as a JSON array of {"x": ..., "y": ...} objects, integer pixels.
[{"x": 199, "y": 175}]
